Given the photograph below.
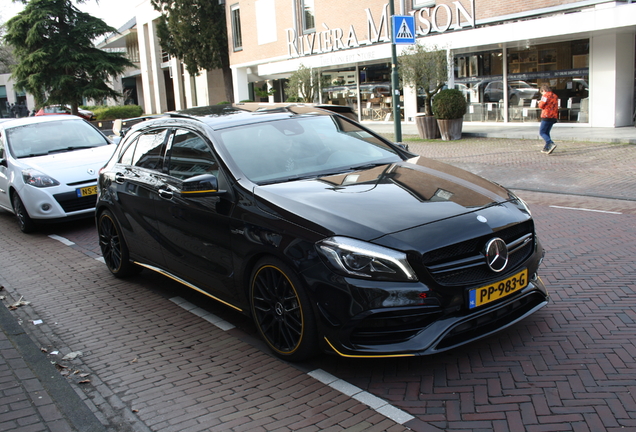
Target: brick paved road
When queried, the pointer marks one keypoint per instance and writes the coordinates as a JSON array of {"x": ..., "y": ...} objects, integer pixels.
[
  {"x": 152, "y": 365},
  {"x": 157, "y": 367}
]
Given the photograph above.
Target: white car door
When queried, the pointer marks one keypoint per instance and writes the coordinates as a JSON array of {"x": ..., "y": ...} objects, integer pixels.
[{"x": 5, "y": 200}]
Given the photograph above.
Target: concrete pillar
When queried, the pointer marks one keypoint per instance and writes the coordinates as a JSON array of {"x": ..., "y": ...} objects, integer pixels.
[
  {"x": 145, "y": 61},
  {"x": 270, "y": 98},
  {"x": 189, "y": 88},
  {"x": 158, "y": 89},
  {"x": 241, "y": 90},
  {"x": 177, "y": 83},
  {"x": 611, "y": 80},
  {"x": 139, "y": 83}
]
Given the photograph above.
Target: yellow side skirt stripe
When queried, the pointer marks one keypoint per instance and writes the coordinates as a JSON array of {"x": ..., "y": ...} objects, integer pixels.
[{"x": 189, "y": 285}]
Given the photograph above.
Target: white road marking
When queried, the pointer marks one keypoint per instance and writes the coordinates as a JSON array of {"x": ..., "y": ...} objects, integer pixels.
[
  {"x": 584, "y": 209},
  {"x": 200, "y": 312},
  {"x": 67, "y": 242},
  {"x": 377, "y": 404}
]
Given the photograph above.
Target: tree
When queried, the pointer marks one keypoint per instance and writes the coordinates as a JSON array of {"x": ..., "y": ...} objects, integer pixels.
[
  {"x": 307, "y": 83},
  {"x": 57, "y": 61},
  {"x": 195, "y": 32},
  {"x": 424, "y": 68},
  {"x": 6, "y": 54}
]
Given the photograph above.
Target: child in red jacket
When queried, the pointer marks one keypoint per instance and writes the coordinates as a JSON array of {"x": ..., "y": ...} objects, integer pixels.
[{"x": 549, "y": 105}]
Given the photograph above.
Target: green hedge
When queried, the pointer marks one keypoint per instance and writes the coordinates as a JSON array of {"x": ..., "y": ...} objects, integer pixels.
[{"x": 116, "y": 112}]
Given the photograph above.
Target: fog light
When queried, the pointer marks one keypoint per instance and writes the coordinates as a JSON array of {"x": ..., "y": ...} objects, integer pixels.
[{"x": 46, "y": 207}]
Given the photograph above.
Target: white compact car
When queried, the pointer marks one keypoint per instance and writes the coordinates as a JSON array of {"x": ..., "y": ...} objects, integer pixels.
[{"x": 49, "y": 167}]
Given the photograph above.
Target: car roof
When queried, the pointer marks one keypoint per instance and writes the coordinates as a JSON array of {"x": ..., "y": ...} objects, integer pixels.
[{"x": 230, "y": 115}]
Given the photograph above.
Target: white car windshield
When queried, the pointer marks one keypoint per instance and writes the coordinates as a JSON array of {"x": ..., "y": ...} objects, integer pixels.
[
  {"x": 285, "y": 150},
  {"x": 38, "y": 139}
]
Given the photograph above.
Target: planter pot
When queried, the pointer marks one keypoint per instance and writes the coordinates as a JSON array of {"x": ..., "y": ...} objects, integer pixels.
[
  {"x": 450, "y": 129},
  {"x": 427, "y": 127}
]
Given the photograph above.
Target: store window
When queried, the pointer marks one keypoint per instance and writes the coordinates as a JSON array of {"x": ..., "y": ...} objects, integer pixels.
[
  {"x": 237, "y": 37},
  {"x": 564, "y": 66},
  {"x": 309, "y": 20},
  {"x": 375, "y": 90},
  {"x": 479, "y": 76}
]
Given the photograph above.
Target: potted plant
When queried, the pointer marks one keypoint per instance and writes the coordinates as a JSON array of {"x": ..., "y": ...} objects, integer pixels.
[
  {"x": 425, "y": 69},
  {"x": 449, "y": 107}
]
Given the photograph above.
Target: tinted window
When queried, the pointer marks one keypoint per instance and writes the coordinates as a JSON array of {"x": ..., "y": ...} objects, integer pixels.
[
  {"x": 190, "y": 156},
  {"x": 147, "y": 152}
]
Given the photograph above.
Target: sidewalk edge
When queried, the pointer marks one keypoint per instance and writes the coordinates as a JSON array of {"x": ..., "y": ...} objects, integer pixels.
[{"x": 74, "y": 409}]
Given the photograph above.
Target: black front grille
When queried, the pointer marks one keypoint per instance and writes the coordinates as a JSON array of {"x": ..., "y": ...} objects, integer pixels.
[
  {"x": 397, "y": 326},
  {"x": 70, "y": 202},
  {"x": 492, "y": 321},
  {"x": 464, "y": 263}
]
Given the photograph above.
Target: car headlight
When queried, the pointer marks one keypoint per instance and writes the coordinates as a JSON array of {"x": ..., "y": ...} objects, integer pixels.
[
  {"x": 36, "y": 178},
  {"x": 352, "y": 257}
]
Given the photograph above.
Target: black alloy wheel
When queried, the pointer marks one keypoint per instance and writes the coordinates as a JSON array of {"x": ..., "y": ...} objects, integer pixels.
[
  {"x": 282, "y": 311},
  {"x": 25, "y": 222},
  {"x": 113, "y": 246}
]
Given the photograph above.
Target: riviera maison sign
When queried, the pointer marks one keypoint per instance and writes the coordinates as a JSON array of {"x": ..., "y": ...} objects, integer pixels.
[{"x": 438, "y": 19}]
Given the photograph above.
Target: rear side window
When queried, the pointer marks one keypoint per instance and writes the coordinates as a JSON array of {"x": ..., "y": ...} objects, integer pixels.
[
  {"x": 147, "y": 150},
  {"x": 190, "y": 156}
]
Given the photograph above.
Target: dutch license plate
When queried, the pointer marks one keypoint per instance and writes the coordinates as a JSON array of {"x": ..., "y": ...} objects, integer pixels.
[
  {"x": 489, "y": 293},
  {"x": 86, "y": 191}
]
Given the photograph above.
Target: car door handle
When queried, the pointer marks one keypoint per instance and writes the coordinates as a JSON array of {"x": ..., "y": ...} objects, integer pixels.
[
  {"x": 119, "y": 178},
  {"x": 163, "y": 193}
]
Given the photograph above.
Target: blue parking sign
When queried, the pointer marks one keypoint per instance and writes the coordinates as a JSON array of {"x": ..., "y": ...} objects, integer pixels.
[{"x": 403, "y": 29}]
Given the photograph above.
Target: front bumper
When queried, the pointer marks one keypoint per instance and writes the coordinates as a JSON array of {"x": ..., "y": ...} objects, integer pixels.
[
  {"x": 55, "y": 203},
  {"x": 425, "y": 330}
]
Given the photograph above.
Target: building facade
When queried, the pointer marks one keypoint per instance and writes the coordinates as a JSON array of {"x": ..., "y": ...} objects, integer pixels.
[
  {"x": 500, "y": 53},
  {"x": 158, "y": 82},
  {"x": 10, "y": 98}
]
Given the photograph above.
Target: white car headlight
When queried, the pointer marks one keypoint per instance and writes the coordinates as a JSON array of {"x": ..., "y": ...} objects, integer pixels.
[
  {"x": 362, "y": 259},
  {"x": 36, "y": 178}
]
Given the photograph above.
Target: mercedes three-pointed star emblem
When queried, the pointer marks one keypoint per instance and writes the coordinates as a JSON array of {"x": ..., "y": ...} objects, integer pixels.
[{"x": 496, "y": 252}]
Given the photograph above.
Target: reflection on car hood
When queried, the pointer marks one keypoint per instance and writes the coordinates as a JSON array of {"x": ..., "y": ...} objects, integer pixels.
[
  {"x": 370, "y": 203},
  {"x": 72, "y": 165}
]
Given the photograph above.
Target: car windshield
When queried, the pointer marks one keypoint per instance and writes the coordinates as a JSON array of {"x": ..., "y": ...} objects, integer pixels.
[
  {"x": 290, "y": 149},
  {"x": 38, "y": 139}
]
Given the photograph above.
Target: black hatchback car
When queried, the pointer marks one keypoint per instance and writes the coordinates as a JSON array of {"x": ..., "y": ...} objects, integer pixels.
[{"x": 331, "y": 237}]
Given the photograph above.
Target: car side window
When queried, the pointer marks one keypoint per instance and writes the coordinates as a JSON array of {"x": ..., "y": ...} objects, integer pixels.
[
  {"x": 190, "y": 155},
  {"x": 147, "y": 151}
]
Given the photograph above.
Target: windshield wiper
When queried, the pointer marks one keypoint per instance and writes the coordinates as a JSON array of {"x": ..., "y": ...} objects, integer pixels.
[
  {"x": 290, "y": 179},
  {"x": 67, "y": 149},
  {"x": 368, "y": 166},
  {"x": 31, "y": 155}
]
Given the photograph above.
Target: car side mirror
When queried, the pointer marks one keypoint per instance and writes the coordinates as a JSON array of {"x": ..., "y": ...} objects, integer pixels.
[
  {"x": 201, "y": 185},
  {"x": 3, "y": 162}
]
